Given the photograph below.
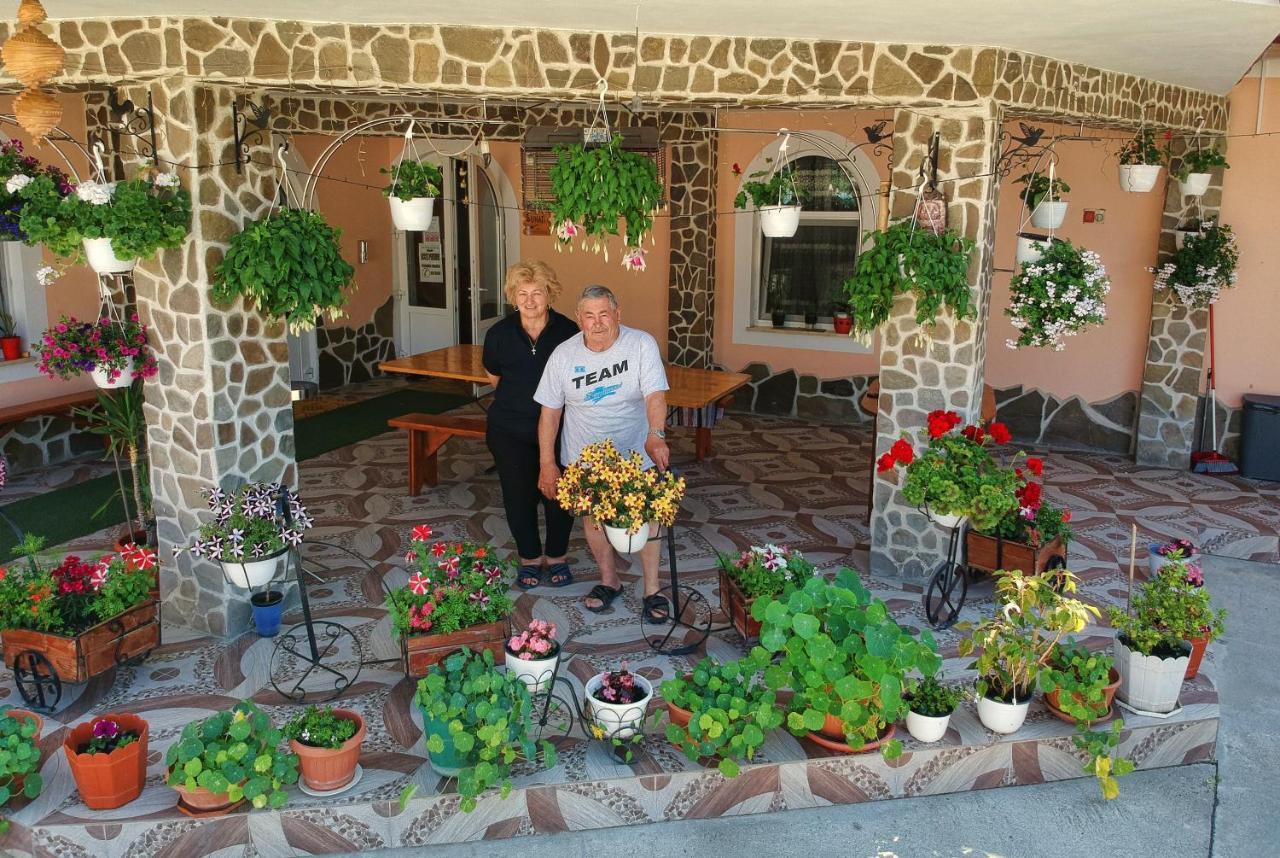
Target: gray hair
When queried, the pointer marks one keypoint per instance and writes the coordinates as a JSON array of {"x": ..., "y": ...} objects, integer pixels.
[{"x": 598, "y": 291}]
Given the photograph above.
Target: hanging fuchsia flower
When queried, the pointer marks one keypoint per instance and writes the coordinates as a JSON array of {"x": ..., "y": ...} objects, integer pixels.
[
  {"x": 633, "y": 259},
  {"x": 567, "y": 230}
]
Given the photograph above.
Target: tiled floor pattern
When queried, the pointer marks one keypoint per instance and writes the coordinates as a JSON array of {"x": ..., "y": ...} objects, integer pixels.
[{"x": 772, "y": 479}]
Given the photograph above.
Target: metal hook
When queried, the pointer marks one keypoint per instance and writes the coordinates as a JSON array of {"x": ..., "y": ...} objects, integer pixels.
[{"x": 99, "y": 169}]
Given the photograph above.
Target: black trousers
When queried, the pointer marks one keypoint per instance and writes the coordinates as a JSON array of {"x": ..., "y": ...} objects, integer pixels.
[{"x": 517, "y": 459}]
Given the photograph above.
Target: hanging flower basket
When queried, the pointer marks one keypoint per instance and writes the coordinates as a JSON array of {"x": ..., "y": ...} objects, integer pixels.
[
  {"x": 777, "y": 199},
  {"x": 103, "y": 260},
  {"x": 412, "y": 193},
  {"x": 1059, "y": 295},
  {"x": 113, "y": 351},
  {"x": 1194, "y": 172},
  {"x": 412, "y": 215}
]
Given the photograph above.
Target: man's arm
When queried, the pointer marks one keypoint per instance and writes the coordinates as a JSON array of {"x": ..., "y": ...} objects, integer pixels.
[
  {"x": 655, "y": 409},
  {"x": 548, "y": 471}
]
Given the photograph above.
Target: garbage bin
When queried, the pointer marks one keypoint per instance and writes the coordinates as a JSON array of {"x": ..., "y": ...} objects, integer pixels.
[{"x": 1260, "y": 437}]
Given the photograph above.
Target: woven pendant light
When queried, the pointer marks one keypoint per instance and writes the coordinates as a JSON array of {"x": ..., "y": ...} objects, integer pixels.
[
  {"x": 37, "y": 112},
  {"x": 30, "y": 13},
  {"x": 32, "y": 57}
]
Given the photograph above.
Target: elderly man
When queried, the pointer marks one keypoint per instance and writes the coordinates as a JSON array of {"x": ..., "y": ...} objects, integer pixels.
[{"x": 607, "y": 383}]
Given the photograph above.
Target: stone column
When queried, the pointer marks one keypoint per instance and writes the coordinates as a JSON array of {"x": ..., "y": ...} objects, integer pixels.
[
  {"x": 691, "y": 293},
  {"x": 923, "y": 369},
  {"x": 1177, "y": 339},
  {"x": 219, "y": 411}
]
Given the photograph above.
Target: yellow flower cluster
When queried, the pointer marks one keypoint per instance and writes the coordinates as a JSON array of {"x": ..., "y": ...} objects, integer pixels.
[{"x": 617, "y": 491}]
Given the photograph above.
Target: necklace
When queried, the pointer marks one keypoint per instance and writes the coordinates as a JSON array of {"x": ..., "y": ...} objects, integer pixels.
[{"x": 533, "y": 341}]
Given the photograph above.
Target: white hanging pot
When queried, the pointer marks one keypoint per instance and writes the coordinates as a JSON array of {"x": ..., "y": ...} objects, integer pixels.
[
  {"x": 1000, "y": 717},
  {"x": 1138, "y": 178},
  {"x": 779, "y": 221},
  {"x": 617, "y": 720},
  {"x": 943, "y": 520},
  {"x": 1030, "y": 247},
  {"x": 102, "y": 378},
  {"x": 252, "y": 574},
  {"x": 412, "y": 215},
  {"x": 1195, "y": 184},
  {"x": 926, "y": 728},
  {"x": 1148, "y": 682},
  {"x": 102, "y": 257},
  {"x": 1049, "y": 215},
  {"x": 627, "y": 543},
  {"x": 1180, "y": 236},
  {"x": 536, "y": 674}
]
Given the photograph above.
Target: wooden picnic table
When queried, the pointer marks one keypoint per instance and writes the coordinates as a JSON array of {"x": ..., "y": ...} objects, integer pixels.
[{"x": 690, "y": 388}]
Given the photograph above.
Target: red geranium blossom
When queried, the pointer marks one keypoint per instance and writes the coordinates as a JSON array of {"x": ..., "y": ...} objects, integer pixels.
[
  {"x": 1035, "y": 466},
  {"x": 1000, "y": 433},
  {"x": 902, "y": 451},
  {"x": 974, "y": 433},
  {"x": 942, "y": 422},
  {"x": 884, "y": 463}
]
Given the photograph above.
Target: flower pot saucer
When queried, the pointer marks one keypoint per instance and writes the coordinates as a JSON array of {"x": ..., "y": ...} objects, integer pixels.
[
  {"x": 1136, "y": 711},
  {"x": 840, "y": 747},
  {"x": 322, "y": 793},
  {"x": 1101, "y": 719},
  {"x": 208, "y": 814}
]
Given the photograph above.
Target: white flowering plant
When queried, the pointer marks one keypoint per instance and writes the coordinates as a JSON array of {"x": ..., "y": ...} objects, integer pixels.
[
  {"x": 1059, "y": 295},
  {"x": 1202, "y": 267},
  {"x": 140, "y": 215}
]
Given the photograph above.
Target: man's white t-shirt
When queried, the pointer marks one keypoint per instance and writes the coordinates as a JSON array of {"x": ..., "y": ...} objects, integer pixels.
[{"x": 603, "y": 393}]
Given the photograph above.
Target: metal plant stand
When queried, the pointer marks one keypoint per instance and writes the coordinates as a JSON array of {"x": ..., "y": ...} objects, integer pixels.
[
  {"x": 941, "y": 603},
  {"x": 690, "y": 611}
]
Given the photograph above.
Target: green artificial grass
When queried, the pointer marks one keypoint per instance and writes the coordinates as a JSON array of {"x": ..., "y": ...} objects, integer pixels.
[{"x": 64, "y": 514}]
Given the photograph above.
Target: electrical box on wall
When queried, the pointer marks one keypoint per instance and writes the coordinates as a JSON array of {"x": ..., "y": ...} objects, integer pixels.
[{"x": 1095, "y": 215}]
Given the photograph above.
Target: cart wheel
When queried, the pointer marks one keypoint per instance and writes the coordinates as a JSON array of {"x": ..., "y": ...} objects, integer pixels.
[
  {"x": 690, "y": 629},
  {"x": 941, "y": 603},
  {"x": 1056, "y": 561},
  {"x": 37, "y": 680}
]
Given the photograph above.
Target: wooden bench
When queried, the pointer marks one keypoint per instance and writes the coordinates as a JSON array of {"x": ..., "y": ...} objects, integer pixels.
[
  {"x": 14, "y": 414},
  {"x": 427, "y": 434}
]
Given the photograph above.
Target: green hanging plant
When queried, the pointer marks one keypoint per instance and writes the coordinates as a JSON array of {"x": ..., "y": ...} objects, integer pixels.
[
  {"x": 290, "y": 265},
  {"x": 906, "y": 258},
  {"x": 598, "y": 186},
  {"x": 413, "y": 180}
]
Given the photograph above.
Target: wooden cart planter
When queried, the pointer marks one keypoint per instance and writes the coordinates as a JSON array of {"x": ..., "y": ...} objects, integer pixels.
[
  {"x": 949, "y": 585},
  {"x": 422, "y": 651},
  {"x": 42, "y": 661},
  {"x": 735, "y": 604}
]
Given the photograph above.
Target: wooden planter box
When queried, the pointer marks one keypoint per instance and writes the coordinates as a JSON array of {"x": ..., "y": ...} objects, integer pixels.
[
  {"x": 95, "y": 650},
  {"x": 737, "y": 606},
  {"x": 422, "y": 651},
  {"x": 990, "y": 553}
]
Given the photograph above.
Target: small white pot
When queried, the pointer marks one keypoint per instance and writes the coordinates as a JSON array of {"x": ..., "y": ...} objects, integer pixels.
[
  {"x": 1195, "y": 184},
  {"x": 1049, "y": 215},
  {"x": 1156, "y": 562},
  {"x": 618, "y": 720},
  {"x": 1148, "y": 682},
  {"x": 103, "y": 380},
  {"x": 536, "y": 674},
  {"x": 926, "y": 728},
  {"x": 1180, "y": 236},
  {"x": 102, "y": 257},
  {"x": 1030, "y": 249},
  {"x": 628, "y": 543},
  {"x": 252, "y": 574},
  {"x": 779, "y": 221},
  {"x": 1001, "y": 717},
  {"x": 412, "y": 215},
  {"x": 1138, "y": 178},
  {"x": 947, "y": 521}
]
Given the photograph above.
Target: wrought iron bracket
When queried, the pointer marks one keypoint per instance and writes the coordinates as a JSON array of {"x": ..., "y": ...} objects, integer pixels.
[
  {"x": 1019, "y": 149},
  {"x": 879, "y": 141},
  {"x": 137, "y": 122},
  {"x": 248, "y": 129}
]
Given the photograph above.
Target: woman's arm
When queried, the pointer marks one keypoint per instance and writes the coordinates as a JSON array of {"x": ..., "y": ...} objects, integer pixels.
[{"x": 493, "y": 379}]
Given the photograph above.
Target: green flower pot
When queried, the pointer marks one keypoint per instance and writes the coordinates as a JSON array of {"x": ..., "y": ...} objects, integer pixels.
[{"x": 448, "y": 762}]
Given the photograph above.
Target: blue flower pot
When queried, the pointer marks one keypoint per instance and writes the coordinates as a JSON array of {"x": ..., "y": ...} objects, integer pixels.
[{"x": 268, "y": 608}]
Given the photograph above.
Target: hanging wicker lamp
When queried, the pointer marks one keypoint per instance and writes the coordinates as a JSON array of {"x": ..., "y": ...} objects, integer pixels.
[
  {"x": 30, "y": 13},
  {"x": 37, "y": 112},
  {"x": 32, "y": 57}
]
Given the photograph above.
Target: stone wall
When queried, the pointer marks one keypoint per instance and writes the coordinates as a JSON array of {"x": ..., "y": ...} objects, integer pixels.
[
  {"x": 1037, "y": 417},
  {"x": 45, "y": 440},
  {"x": 351, "y": 355},
  {"x": 807, "y": 396}
]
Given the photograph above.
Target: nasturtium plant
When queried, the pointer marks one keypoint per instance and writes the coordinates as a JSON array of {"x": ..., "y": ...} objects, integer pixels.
[
  {"x": 236, "y": 752},
  {"x": 19, "y": 758},
  {"x": 595, "y": 187},
  {"x": 1080, "y": 677}
]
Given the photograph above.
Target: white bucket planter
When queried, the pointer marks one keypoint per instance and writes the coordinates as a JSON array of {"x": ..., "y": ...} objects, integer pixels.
[
  {"x": 1138, "y": 178},
  {"x": 252, "y": 574},
  {"x": 1049, "y": 215},
  {"x": 102, "y": 257},
  {"x": 412, "y": 215},
  {"x": 103, "y": 379},
  {"x": 1195, "y": 184},
  {"x": 947, "y": 521},
  {"x": 627, "y": 543},
  {"x": 1030, "y": 247},
  {"x": 926, "y": 728},
  {"x": 1180, "y": 236},
  {"x": 1001, "y": 717},
  {"x": 1156, "y": 562},
  {"x": 618, "y": 720},
  {"x": 1148, "y": 682},
  {"x": 536, "y": 674},
  {"x": 779, "y": 221}
]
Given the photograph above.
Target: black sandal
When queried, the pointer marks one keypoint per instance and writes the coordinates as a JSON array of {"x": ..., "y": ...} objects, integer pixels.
[
  {"x": 559, "y": 575},
  {"x": 604, "y": 595},
  {"x": 655, "y": 603},
  {"x": 529, "y": 577}
]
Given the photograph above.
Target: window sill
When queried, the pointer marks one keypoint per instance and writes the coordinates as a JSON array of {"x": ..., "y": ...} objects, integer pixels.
[
  {"x": 18, "y": 369},
  {"x": 816, "y": 339}
]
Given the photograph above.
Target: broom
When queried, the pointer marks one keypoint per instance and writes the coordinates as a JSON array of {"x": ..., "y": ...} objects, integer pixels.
[{"x": 1211, "y": 461}]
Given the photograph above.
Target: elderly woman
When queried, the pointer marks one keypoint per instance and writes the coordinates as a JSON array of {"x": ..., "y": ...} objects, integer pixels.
[{"x": 516, "y": 350}]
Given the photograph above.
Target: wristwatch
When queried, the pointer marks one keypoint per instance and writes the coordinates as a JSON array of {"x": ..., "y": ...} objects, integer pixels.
[{"x": 661, "y": 434}]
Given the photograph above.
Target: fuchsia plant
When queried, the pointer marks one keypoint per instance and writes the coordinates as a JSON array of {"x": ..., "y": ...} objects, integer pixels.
[{"x": 536, "y": 642}]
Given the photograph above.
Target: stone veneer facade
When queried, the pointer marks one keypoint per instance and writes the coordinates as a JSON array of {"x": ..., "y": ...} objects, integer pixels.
[{"x": 349, "y": 355}]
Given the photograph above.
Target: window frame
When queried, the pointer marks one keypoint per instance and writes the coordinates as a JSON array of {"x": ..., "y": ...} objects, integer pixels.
[
  {"x": 24, "y": 297},
  {"x": 820, "y": 218}
]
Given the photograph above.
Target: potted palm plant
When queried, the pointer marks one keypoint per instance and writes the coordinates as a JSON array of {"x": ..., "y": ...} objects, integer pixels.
[
  {"x": 930, "y": 705},
  {"x": 1140, "y": 162},
  {"x": 412, "y": 193},
  {"x": 108, "y": 758},
  {"x": 1042, "y": 195},
  {"x": 777, "y": 199},
  {"x": 1194, "y": 170}
]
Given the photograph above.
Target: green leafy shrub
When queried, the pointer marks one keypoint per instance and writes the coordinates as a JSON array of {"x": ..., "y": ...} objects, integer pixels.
[
  {"x": 1170, "y": 608},
  {"x": 234, "y": 752},
  {"x": 931, "y": 698},
  {"x": 19, "y": 758},
  {"x": 411, "y": 180},
  {"x": 596, "y": 187},
  {"x": 321, "y": 728}
]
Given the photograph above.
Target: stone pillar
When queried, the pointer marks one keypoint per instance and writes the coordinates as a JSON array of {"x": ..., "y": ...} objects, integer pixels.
[
  {"x": 691, "y": 293},
  {"x": 219, "y": 411},
  {"x": 1177, "y": 339},
  {"x": 923, "y": 369}
]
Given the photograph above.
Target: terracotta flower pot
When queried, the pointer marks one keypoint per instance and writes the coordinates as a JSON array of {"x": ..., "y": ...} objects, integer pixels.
[
  {"x": 108, "y": 781},
  {"x": 17, "y": 712},
  {"x": 832, "y": 737},
  {"x": 1108, "y": 694},
  {"x": 1197, "y": 653},
  {"x": 204, "y": 803},
  {"x": 324, "y": 769}
]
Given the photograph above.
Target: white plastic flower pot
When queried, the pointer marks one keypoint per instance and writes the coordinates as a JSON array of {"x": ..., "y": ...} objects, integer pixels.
[
  {"x": 617, "y": 720},
  {"x": 947, "y": 521},
  {"x": 627, "y": 543},
  {"x": 1195, "y": 184},
  {"x": 1138, "y": 178},
  {"x": 1049, "y": 215},
  {"x": 1156, "y": 561},
  {"x": 926, "y": 728},
  {"x": 1148, "y": 682},
  {"x": 252, "y": 574},
  {"x": 412, "y": 215},
  {"x": 102, "y": 257},
  {"x": 779, "y": 221},
  {"x": 999, "y": 717},
  {"x": 1030, "y": 247},
  {"x": 102, "y": 378},
  {"x": 536, "y": 674},
  {"x": 1180, "y": 236}
]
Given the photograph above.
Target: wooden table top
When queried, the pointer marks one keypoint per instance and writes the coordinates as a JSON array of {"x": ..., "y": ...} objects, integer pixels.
[{"x": 690, "y": 388}]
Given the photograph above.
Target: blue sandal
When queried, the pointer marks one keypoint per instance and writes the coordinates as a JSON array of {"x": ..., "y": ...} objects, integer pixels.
[
  {"x": 529, "y": 577},
  {"x": 559, "y": 575}
]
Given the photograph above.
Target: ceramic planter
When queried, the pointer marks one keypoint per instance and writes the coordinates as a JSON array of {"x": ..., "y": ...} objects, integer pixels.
[
  {"x": 15, "y": 712},
  {"x": 617, "y": 720},
  {"x": 1147, "y": 682},
  {"x": 1198, "y": 646},
  {"x": 449, "y": 761},
  {"x": 1051, "y": 698},
  {"x": 536, "y": 674},
  {"x": 324, "y": 769},
  {"x": 1000, "y": 717},
  {"x": 103, "y": 379},
  {"x": 412, "y": 215},
  {"x": 11, "y": 347},
  {"x": 1049, "y": 214},
  {"x": 779, "y": 221},
  {"x": 268, "y": 608},
  {"x": 102, "y": 257},
  {"x": 927, "y": 728},
  {"x": 1195, "y": 184},
  {"x": 108, "y": 781},
  {"x": 201, "y": 802},
  {"x": 1030, "y": 247},
  {"x": 252, "y": 574},
  {"x": 1138, "y": 178},
  {"x": 628, "y": 543},
  {"x": 842, "y": 323}
]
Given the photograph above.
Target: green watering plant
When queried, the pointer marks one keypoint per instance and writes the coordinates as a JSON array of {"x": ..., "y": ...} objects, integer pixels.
[
  {"x": 320, "y": 728},
  {"x": 235, "y": 752},
  {"x": 841, "y": 654},
  {"x": 290, "y": 265},
  {"x": 1142, "y": 149},
  {"x": 766, "y": 571},
  {"x": 904, "y": 259},
  {"x": 931, "y": 698},
  {"x": 19, "y": 759},
  {"x": 1039, "y": 187},
  {"x": 1079, "y": 677},
  {"x": 597, "y": 186},
  {"x": 731, "y": 710},
  {"x": 1171, "y": 608},
  {"x": 483, "y": 716},
  {"x": 778, "y": 188},
  {"x": 412, "y": 180},
  {"x": 1201, "y": 161}
]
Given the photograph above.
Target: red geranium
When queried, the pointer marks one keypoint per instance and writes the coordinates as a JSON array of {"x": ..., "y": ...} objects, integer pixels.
[
  {"x": 902, "y": 451},
  {"x": 974, "y": 433},
  {"x": 942, "y": 422},
  {"x": 885, "y": 462},
  {"x": 1000, "y": 433},
  {"x": 1035, "y": 466}
]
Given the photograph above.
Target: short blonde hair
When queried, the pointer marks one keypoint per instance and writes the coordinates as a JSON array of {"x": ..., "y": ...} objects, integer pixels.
[{"x": 536, "y": 272}]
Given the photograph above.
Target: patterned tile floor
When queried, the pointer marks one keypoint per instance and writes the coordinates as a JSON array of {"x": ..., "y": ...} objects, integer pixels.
[{"x": 772, "y": 479}]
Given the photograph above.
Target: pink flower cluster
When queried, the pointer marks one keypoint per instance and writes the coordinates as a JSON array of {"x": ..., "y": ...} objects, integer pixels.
[
  {"x": 537, "y": 641},
  {"x": 72, "y": 347}
]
